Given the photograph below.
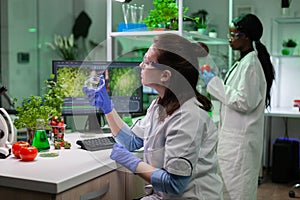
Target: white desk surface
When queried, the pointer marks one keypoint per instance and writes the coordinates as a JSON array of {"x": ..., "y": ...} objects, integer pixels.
[
  {"x": 56, "y": 174},
  {"x": 283, "y": 112}
]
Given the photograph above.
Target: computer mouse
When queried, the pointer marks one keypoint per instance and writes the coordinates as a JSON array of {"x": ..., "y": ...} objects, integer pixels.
[{"x": 4, "y": 152}]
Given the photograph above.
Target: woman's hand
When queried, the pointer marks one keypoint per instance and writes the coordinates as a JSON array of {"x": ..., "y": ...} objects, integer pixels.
[
  {"x": 122, "y": 156},
  {"x": 98, "y": 97},
  {"x": 207, "y": 76}
]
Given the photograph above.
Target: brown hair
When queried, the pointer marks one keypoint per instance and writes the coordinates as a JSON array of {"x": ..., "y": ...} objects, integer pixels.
[{"x": 182, "y": 57}]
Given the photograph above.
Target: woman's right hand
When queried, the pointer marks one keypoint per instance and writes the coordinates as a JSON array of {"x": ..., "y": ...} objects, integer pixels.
[
  {"x": 207, "y": 75},
  {"x": 99, "y": 97}
]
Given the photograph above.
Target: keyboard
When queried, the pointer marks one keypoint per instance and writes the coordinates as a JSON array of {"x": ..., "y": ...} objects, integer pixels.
[{"x": 95, "y": 144}]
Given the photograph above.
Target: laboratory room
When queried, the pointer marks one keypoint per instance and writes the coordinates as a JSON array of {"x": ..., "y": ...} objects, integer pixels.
[{"x": 95, "y": 94}]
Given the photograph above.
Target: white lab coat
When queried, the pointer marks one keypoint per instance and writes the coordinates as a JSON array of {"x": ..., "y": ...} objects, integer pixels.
[
  {"x": 183, "y": 144},
  {"x": 241, "y": 127}
]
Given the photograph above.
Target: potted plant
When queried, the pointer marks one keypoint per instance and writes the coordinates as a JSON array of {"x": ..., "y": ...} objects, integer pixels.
[
  {"x": 39, "y": 107},
  {"x": 288, "y": 47},
  {"x": 200, "y": 19},
  {"x": 212, "y": 33},
  {"x": 64, "y": 46},
  {"x": 164, "y": 15}
]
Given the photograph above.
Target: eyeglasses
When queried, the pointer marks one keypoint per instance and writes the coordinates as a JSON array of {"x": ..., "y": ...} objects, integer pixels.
[
  {"x": 155, "y": 65},
  {"x": 234, "y": 35}
]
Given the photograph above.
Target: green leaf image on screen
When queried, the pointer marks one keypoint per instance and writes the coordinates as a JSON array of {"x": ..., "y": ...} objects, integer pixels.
[
  {"x": 124, "y": 81},
  {"x": 72, "y": 80}
]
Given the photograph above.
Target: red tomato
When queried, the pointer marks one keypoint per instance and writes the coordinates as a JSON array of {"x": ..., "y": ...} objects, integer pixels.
[
  {"x": 55, "y": 130},
  {"x": 28, "y": 153},
  {"x": 61, "y": 125},
  {"x": 53, "y": 123},
  {"x": 17, "y": 146},
  {"x": 205, "y": 67}
]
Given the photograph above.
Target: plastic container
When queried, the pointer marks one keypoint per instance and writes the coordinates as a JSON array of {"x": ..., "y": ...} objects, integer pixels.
[
  {"x": 297, "y": 103},
  {"x": 58, "y": 133},
  {"x": 122, "y": 27}
]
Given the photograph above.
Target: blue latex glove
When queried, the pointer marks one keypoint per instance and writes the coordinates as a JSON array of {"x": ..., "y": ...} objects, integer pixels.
[
  {"x": 99, "y": 97},
  {"x": 124, "y": 157},
  {"x": 207, "y": 76}
]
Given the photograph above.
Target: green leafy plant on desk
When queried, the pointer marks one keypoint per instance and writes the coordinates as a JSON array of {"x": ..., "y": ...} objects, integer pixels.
[{"x": 40, "y": 107}]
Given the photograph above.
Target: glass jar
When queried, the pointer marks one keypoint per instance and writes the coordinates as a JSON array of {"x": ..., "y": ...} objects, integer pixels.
[{"x": 58, "y": 133}]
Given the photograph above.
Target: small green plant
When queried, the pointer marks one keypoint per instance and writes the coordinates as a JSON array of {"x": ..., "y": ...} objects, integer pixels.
[
  {"x": 289, "y": 43},
  {"x": 40, "y": 107},
  {"x": 200, "y": 23},
  {"x": 164, "y": 15},
  {"x": 199, "y": 19}
]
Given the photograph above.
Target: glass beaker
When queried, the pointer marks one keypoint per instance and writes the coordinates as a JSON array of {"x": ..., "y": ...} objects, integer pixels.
[
  {"x": 40, "y": 139},
  {"x": 92, "y": 82}
]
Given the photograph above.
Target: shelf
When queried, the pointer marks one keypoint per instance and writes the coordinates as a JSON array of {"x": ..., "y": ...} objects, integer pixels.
[
  {"x": 194, "y": 36},
  {"x": 287, "y": 20},
  {"x": 285, "y": 56},
  {"x": 140, "y": 33}
]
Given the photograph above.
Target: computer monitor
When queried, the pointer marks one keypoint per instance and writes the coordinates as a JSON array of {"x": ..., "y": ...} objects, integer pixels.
[{"x": 123, "y": 84}]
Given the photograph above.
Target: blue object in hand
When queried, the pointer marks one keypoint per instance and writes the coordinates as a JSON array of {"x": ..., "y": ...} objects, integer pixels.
[
  {"x": 207, "y": 76},
  {"x": 124, "y": 157},
  {"x": 98, "y": 97}
]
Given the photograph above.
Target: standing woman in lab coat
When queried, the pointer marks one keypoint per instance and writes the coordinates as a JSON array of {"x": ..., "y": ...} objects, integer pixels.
[
  {"x": 244, "y": 94},
  {"x": 178, "y": 135}
]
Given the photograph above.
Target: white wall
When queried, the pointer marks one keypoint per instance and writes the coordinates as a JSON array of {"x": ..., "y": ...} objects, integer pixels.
[
  {"x": 53, "y": 18},
  {"x": 47, "y": 18},
  {"x": 286, "y": 90},
  {"x": 22, "y": 77},
  {"x": 266, "y": 10}
]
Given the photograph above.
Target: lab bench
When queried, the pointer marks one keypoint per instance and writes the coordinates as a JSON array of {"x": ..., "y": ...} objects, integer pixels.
[
  {"x": 74, "y": 174},
  {"x": 275, "y": 112}
]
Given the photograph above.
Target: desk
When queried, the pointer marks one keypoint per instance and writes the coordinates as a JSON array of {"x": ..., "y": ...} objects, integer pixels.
[
  {"x": 74, "y": 174},
  {"x": 283, "y": 112}
]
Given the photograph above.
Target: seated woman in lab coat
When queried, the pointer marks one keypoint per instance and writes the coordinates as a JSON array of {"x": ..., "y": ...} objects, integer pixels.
[{"x": 178, "y": 135}]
